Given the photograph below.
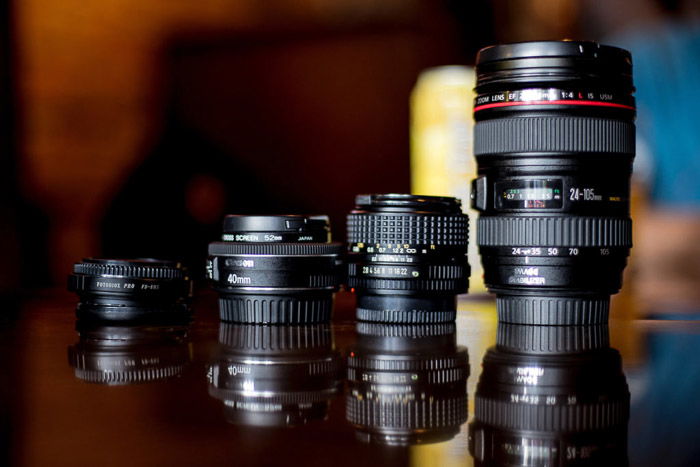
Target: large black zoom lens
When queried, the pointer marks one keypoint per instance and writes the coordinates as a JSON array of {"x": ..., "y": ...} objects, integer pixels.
[
  {"x": 407, "y": 246},
  {"x": 275, "y": 269},
  {"x": 554, "y": 143}
]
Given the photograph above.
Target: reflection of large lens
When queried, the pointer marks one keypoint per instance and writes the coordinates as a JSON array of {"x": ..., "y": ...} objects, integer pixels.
[
  {"x": 407, "y": 383},
  {"x": 275, "y": 376},
  {"x": 125, "y": 290},
  {"x": 554, "y": 142},
  {"x": 410, "y": 246},
  {"x": 275, "y": 269},
  {"x": 564, "y": 402},
  {"x": 122, "y": 355}
]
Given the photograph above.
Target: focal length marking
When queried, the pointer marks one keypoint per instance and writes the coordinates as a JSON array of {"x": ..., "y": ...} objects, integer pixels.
[{"x": 553, "y": 96}]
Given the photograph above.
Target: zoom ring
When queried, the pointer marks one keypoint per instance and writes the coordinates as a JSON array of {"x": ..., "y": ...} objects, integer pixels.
[
  {"x": 421, "y": 229},
  {"x": 554, "y": 231},
  {"x": 431, "y": 413},
  {"x": 136, "y": 272},
  {"x": 552, "y": 310},
  {"x": 551, "y": 339},
  {"x": 277, "y": 310},
  {"x": 558, "y": 135},
  {"x": 559, "y": 418}
]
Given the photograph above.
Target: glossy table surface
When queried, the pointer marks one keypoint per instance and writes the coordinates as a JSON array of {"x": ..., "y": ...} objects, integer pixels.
[{"x": 176, "y": 395}]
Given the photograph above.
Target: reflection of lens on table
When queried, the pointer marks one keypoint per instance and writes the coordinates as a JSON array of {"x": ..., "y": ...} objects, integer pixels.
[
  {"x": 274, "y": 375},
  {"x": 407, "y": 383}
]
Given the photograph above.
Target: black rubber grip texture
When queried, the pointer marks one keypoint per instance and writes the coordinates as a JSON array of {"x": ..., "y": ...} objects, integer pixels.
[
  {"x": 136, "y": 272},
  {"x": 135, "y": 376},
  {"x": 558, "y": 418},
  {"x": 404, "y": 330},
  {"x": 405, "y": 316},
  {"x": 521, "y": 309},
  {"x": 559, "y": 135},
  {"x": 574, "y": 231},
  {"x": 431, "y": 413},
  {"x": 279, "y": 249},
  {"x": 413, "y": 363},
  {"x": 551, "y": 339},
  {"x": 274, "y": 338},
  {"x": 275, "y": 310},
  {"x": 412, "y": 229}
]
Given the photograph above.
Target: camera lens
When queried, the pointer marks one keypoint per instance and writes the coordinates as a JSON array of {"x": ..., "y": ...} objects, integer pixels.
[
  {"x": 275, "y": 375},
  {"x": 130, "y": 289},
  {"x": 407, "y": 246},
  {"x": 550, "y": 395},
  {"x": 121, "y": 355},
  {"x": 407, "y": 384},
  {"x": 554, "y": 143},
  {"x": 275, "y": 269}
]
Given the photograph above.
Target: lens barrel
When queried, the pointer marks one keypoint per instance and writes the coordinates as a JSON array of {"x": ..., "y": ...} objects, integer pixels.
[
  {"x": 275, "y": 375},
  {"x": 407, "y": 246},
  {"x": 130, "y": 289},
  {"x": 275, "y": 269},
  {"x": 550, "y": 395},
  {"x": 407, "y": 383},
  {"x": 554, "y": 142}
]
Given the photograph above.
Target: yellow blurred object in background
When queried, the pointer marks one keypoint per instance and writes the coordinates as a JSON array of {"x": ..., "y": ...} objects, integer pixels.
[{"x": 442, "y": 153}]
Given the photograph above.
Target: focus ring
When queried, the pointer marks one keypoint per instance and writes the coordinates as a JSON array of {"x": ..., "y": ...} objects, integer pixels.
[
  {"x": 552, "y": 310},
  {"x": 423, "y": 229},
  {"x": 117, "y": 377},
  {"x": 412, "y": 331},
  {"x": 405, "y": 316},
  {"x": 554, "y": 231},
  {"x": 560, "y": 418},
  {"x": 277, "y": 310},
  {"x": 553, "y": 134},
  {"x": 281, "y": 249}
]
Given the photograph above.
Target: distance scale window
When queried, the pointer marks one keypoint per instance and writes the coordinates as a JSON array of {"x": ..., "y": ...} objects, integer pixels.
[{"x": 529, "y": 194}]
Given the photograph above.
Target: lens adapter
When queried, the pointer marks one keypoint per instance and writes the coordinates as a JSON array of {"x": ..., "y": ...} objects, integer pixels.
[
  {"x": 130, "y": 289},
  {"x": 122, "y": 355},
  {"x": 407, "y": 384},
  {"x": 554, "y": 142},
  {"x": 407, "y": 246},
  {"x": 275, "y": 375},
  {"x": 550, "y": 395},
  {"x": 275, "y": 269}
]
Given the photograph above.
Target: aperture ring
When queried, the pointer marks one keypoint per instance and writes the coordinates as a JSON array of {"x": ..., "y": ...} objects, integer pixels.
[
  {"x": 553, "y": 134},
  {"x": 456, "y": 286},
  {"x": 574, "y": 231},
  {"x": 413, "y": 229},
  {"x": 413, "y": 363}
]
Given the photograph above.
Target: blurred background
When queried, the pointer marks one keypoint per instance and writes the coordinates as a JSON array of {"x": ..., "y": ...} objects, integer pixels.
[{"x": 130, "y": 127}]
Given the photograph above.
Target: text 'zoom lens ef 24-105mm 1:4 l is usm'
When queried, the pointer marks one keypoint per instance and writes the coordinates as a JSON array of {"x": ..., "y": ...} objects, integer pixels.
[
  {"x": 554, "y": 141},
  {"x": 275, "y": 269},
  {"x": 407, "y": 257}
]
